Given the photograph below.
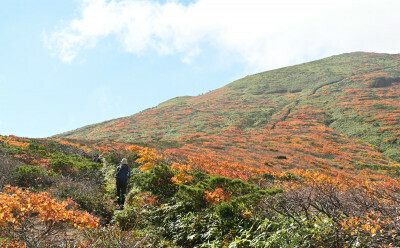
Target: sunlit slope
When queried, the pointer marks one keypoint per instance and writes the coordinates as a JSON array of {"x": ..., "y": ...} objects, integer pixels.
[{"x": 338, "y": 112}]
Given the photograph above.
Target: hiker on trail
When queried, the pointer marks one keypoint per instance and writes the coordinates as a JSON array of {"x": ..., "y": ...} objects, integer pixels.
[
  {"x": 97, "y": 158},
  {"x": 122, "y": 174}
]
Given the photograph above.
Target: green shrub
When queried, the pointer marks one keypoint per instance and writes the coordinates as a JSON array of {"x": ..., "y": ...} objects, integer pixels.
[
  {"x": 279, "y": 232},
  {"x": 131, "y": 157},
  {"x": 199, "y": 176},
  {"x": 380, "y": 82},
  {"x": 68, "y": 164},
  {"x": 158, "y": 181},
  {"x": 234, "y": 187},
  {"x": 116, "y": 157},
  {"x": 225, "y": 210},
  {"x": 182, "y": 214},
  {"x": 269, "y": 177},
  {"x": 185, "y": 229},
  {"x": 191, "y": 196},
  {"x": 113, "y": 158},
  {"x": 137, "y": 204},
  {"x": 89, "y": 196},
  {"x": 193, "y": 229},
  {"x": 126, "y": 218},
  {"x": 131, "y": 198},
  {"x": 37, "y": 149},
  {"x": 112, "y": 236},
  {"x": 61, "y": 163},
  {"x": 28, "y": 175},
  {"x": 284, "y": 232},
  {"x": 290, "y": 176}
]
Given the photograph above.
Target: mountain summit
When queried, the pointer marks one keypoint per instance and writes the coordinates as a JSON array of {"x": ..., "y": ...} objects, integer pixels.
[{"x": 339, "y": 112}]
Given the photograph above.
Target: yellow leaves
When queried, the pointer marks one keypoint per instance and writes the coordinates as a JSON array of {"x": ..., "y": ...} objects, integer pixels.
[
  {"x": 370, "y": 224},
  {"x": 367, "y": 227},
  {"x": 146, "y": 167},
  {"x": 133, "y": 148},
  {"x": 181, "y": 167},
  {"x": 148, "y": 157},
  {"x": 246, "y": 213},
  {"x": 217, "y": 196},
  {"x": 182, "y": 177},
  {"x": 18, "y": 207}
]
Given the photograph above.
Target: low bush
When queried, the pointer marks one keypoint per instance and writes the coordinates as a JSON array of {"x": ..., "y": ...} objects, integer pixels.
[
  {"x": 158, "y": 181},
  {"x": 89, "y": 196},
  {"x": 127, "y": 218},
  {"x": 192, "y": 197},
  {"x": 70, "y": 164},
  {"x": 116, "y": 157},
  {"x": 7, "y": 166},
  {"x": 380, "y": 82},
  {"x": 113, "y": 236},
  {"x": 32, "y": 176},
  {"x": 38, "y": 149},
  {"x": 61, "y": 163},
  {"x": 207, "y": 209},
  {"x": 32, "y": 219}
]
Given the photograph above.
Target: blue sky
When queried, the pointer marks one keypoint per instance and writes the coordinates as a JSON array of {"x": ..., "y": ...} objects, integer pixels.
[{"x": 66, "y": 64}]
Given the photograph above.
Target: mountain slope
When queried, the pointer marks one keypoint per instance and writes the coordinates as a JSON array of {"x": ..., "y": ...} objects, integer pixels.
[{"x": 339, "y": 112}]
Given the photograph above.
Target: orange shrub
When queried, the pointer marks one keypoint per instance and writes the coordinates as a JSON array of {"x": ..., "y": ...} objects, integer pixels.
[
  {"x": 217, "y": 196},
  {"x": 182, "y": 177},
  {"x": 148, "y": 157},
  {"x": 15, "y": 141},
  {"x": 27, "y": 217}
]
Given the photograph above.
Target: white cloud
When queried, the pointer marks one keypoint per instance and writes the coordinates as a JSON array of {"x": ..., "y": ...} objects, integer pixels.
[{"x": 263, "y": 34}]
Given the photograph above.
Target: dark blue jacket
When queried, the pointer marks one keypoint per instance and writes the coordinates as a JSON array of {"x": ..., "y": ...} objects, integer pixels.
[{"x": 123, "y": 172}]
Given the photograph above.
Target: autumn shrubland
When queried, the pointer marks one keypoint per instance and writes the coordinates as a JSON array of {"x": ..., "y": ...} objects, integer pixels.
[
  {"x": 303, "y": 156},
  {"x": 298, "y": 112},
  {"x": 173, "y": 201}
]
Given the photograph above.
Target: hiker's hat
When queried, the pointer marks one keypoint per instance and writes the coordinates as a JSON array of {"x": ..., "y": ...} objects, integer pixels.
[{"x": 124, "y": 161}]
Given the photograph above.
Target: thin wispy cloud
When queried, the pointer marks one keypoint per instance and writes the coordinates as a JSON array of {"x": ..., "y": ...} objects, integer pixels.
[
  {"x": 103, "y": 102},
  {"x": 262, "y": 34}
]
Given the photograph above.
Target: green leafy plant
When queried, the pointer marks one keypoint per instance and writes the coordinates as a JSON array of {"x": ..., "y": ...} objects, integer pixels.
[{"x": 28, "y": 175}]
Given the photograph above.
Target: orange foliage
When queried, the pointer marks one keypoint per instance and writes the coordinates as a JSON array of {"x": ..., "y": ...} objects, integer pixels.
[
  {"x": 217, "y": 196},
  {"x": 370, "y": 224},
  {"x": 83, "y": 147},
  {"x": 148, "y": 157},
  {"x": 182, "y": 177},
  {"x": 133, "y": 148},
  {"x": 21, "y": 211},
  {"x": 391, "y": 140},
  {"x": 15, "y": 141}
]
